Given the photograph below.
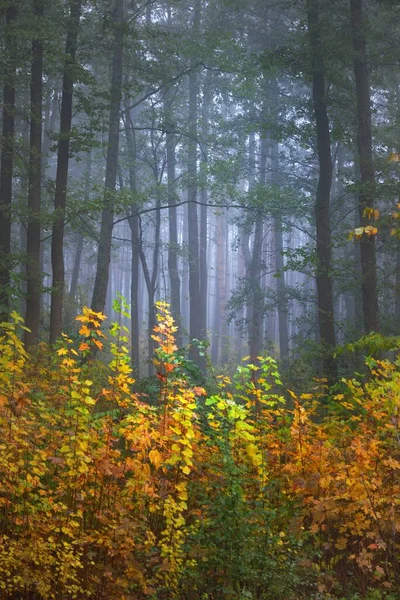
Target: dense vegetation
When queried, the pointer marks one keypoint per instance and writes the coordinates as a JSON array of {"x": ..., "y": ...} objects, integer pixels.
[
  {"x": 231, "y": 169},
  {"x": 214, "y": 154},
  {"x": 242, "y": 491}
]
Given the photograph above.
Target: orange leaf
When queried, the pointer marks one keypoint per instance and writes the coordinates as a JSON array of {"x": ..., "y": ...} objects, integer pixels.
[{"x": 99, "y": 344}]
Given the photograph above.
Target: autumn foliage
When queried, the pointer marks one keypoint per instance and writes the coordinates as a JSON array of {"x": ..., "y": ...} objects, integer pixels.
[{"x": 246, "y": 491}]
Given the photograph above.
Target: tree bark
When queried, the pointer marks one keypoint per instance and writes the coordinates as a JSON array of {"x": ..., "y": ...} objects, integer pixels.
[
  {"x": 71, "y": 305},
  {"x": 279, "y": 262},
  {"x": 281, "y": 290},
  {"x": 33, "y": 270},
  {"x": 135, "y": 335},
  {"x": 134, "y": 227},
  {"x": 173, "y": 245},
  {"x": 193, "y": 226},
  {"x": 203, "y": 271},
  {"x": 256, "y": 292},
  {"x": 6, "y": 168},
  {"x": 218, "y": 339},
  {"x": 107, "y": 217},
  {"x": 60, "y": 198},
  {"x": 367, "y": 171},
  {"x": 151, "y": 279},
  {"x": 245, "y": 237},
  {"x": 322, "y": 204}
]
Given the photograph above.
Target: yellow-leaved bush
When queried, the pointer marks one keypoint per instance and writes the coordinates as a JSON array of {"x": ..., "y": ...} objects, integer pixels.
[{"x": 244, "y": 492}]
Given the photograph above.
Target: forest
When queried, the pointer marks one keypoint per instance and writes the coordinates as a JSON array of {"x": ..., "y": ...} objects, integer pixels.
[{"x": 199, "y": 300}]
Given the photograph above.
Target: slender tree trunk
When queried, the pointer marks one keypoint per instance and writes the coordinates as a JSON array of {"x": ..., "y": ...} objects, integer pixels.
[
  {"x": 153, "y": 284},
  {"x": 135, "y": 336},
  {"x": 71, "y": 308},
  {"x": 6, "y": 168},
  {"x": 322, "y": 204},
  {"x": 33, "y": 271},
  {"x": 185, "y": 301},
  {"x": 173, "y": 245},
  {"x": 60, "y": 199},
  {"x": 252, "y": 260},
  {"x": 281, "y": 290},
  {"x": 134, "y": 227},
  {"x": 24, "y": 187},
  {"x": 367, "y": 171},
  {"x": 245, "y": 237},
  {"x": 107, "y": 217},
  {"x": 203, "y": 271},
  {"x": 257, "y": 295},
  {"x": 279, "y": 262},
  {"x": 224, "y": 286},
  {"x": 75, "y": 277},
  {"x": 49, "y": 128},
  {"x": 151, "y": 279},
  {"x": 193, "y": 226},
  {"x": 220, "y": 289}
]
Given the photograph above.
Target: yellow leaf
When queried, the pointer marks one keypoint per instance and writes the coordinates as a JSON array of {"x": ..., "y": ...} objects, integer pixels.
[
  {"x": 358, "y": 231},
  {"x": 84, "y": 330},
  {"x": 155, "y": 458},
  {"x": 251, "y": 450},
  {"x": 62, "y": 351},
  {"x": 394, "y": 157},
  {"x": 370, "y": 230}
]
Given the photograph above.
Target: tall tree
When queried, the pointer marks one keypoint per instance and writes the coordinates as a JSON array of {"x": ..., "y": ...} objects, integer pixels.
[
  {"x": 133, "y": 221},
  {"x": 256, "y": 312},
  {"x": 203, "y": 271},
  {"x": 279, "y": 262},
  {"x": 76, "y": 268},
  {"x": 33, "y": 268},
  {"x": 195, "y": 329},
  {"x": 60, "y": 199},
  {"x": 366, "y": 165},
  {"x": 107, "y": 217},
  {"x": 6, "y": 165},
  {"x": 173, "y": 245},
  {"x": 322, "y": 203}
]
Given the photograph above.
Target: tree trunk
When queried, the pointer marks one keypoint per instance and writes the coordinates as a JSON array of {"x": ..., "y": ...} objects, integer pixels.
[
  {"x": 279, "y": 262},
  {"x": 75, "y": 278},
  {"x": 256, "y": 292},
  {"x": 135, "y": 335},
  {"x": 6, "y": 168},
  {"x": 134, "y": 227},
  {"x": 107, "y": 217},
  {"x": 367, "y": 172},
  {"x": 51, "y": 114},
  {"x": 193, "y": 226},
  {"x": 281, "y": 290},
  {"x": 60, "y": 198},
  {"x": 71, "y": 306},
  {"x": 220, "y": 289},
  {"x": 203, "y": 271},
  {"x": 151, "y": 279},
  {"x": 245, "y": 237},
  {"x": 322, "y": 205},
  {"x": 173, "y": 245},
  {"x": 33, "y": 271}
]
